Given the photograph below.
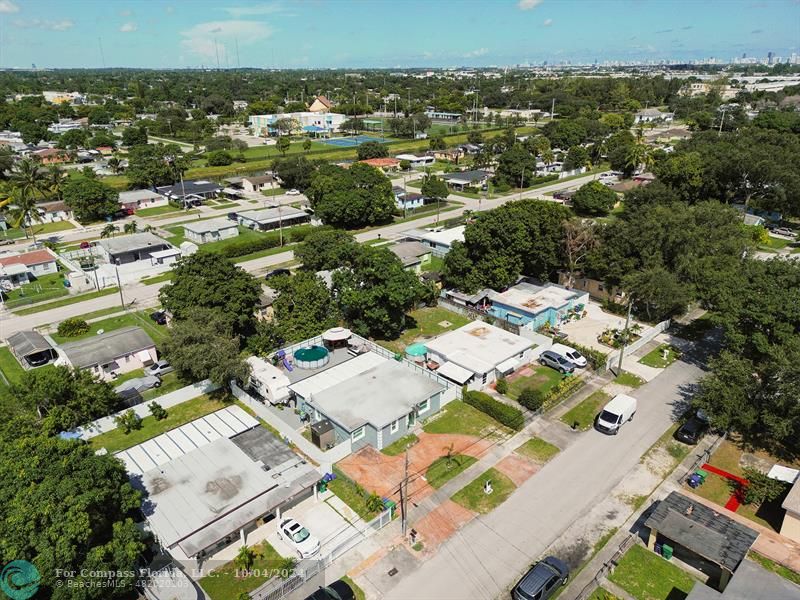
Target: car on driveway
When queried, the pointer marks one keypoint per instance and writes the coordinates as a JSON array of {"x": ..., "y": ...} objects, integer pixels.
[
  {"x": 555, "y": 361},
  {"x": 693, "y": 429},
  {"x": 542, "y": 581},
  {"x": 293, "y": 192},
  {"x": 299, "y": 538},
  {"x": 338, "y": 590},
  {"x": 572, "y": 355},
  {"x": 162, "y": 367},
  {"x": 785, "y": 231},
  {"x": 277, "y": 273},
  {"x": 139, "y": 384}
]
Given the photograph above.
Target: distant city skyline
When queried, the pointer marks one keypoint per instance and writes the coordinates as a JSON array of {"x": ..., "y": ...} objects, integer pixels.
[{"x": 353, "y": 34}]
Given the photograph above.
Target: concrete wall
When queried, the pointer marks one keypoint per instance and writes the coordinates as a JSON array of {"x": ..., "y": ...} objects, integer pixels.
[
  {"x": 791, "y": 526},
  {"x": 47, "y": 268},
  {"x": 646, "y": 336}
]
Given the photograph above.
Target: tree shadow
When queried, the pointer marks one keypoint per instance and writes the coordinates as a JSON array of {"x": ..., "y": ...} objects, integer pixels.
[{"x": 676, "y": 594}]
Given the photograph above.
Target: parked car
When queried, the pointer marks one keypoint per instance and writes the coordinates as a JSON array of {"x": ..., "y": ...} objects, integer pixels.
[
  {"x": 293, "y": 192},
  {"x": 159, "y": 316},
  {"x": 139, "y": 384},
  {"x": 693, "y": 429},
  {"x": 162, "y": 367},
  {"x": 6, "y": 242},
  {"x": 338, "y": 590},
  {"x": 555, "y": 361},
  {"x": 570, "y": 354},
  {"x": 615, "y": 414},
  {"x": 542, "y": 581},
  {"x": 277, "y": 273},
  {"x": 232, "y": 216},
  {"x": 299, "y": 537},
  {"x": 784, "y": 231}
]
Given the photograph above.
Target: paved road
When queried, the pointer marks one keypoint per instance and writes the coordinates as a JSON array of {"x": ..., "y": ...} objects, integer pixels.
[{"x": 491, "y": 552}]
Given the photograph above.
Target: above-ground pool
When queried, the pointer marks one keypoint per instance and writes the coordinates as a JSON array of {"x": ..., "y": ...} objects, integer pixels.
[{"x": 312, "y": 357}]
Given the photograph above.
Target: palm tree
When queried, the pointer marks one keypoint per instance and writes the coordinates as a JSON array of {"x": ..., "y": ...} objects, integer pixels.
[
  {"x": 638, "y": 156},
  {"x": 109, "y": 231},
  {"x": 115, "y": 164},
  {"x": 27, "y": 183},
  {"x": 55, "y": 178},
  {"x": 131, "y": 227},
  {"x": 245, "y": 558},
  {"x": 548, "y": 157}
]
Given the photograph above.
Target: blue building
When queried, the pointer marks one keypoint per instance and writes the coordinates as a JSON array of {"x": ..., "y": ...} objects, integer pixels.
[{"x": 532, "y": 305}]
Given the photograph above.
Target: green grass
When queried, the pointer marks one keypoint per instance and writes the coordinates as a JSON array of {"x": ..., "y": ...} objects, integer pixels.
[
  {"x": 602, "y": 594},
  {"x": 434, "y": 264},
  {"x": 629, "y": 379},
  {"x": 776, "y": 243},
  {"x": 223, "y": 583},
  {"x": 169, "y": 383},
  {"x": 66, "y": 301},
  {"x": 360, "y": 595},
  {"x": 227, "y": 205},
  {"x": 473, "y": 498},
  {"x": 352, "y": 494},
  {"x": 543, "y": 377},
  {"x": 776, "y": 568},
  {"x": 582, "y": 415},
  {"x": 46, "y": 287},
  {"x": 9, "y": 366},
  {"x": 458, "y": 417},
  {"x": 647, "y": 576},
  {"x": 101, "y": 313},
  {"x": 399, "y": 446},
  {"x": 132, "y": 319},
  {"x": 656, "y": 359},
  {"x": 537, "y": 450},
  {"x": 117, "y": 440},
  {"x": 424, "y": 324},
  {"x": 441, "y": 470},
  {"x": 155, "y": 211},
  {"x": 157, "y": 278}
]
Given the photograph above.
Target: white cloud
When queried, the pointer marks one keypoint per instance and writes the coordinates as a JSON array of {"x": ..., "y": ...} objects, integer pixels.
[
  {"x": 8, "y": 7},
  {"x": 528, "y": 4},
  {"x": 548, "y": 22},
  {"x": 266, "y": 8},
  {"x": 62, "y": 25},
  {"x": 128, "y": 27},
  {"x": 208, "y": 40},
  {"x": 476, "y": 53}
]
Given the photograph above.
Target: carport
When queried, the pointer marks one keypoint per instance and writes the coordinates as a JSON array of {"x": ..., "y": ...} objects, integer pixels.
[{"x": 31, "y": 349}]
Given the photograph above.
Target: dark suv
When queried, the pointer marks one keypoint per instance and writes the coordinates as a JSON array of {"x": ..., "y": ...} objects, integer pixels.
[
  {"x": 542, "y": 580},
  {"x": 556, "y": 361}
]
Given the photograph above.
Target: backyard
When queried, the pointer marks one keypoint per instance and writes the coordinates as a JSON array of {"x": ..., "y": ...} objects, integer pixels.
[
  {"x": 457, "y": 417},
  {"x": 647, "y": 576},
  {"x": 425, "y": 323},
  {"x": 582, "y": 416},
  {"x": 541, "y": 377},
  {"x": 229, "y": 582},
  {"x": 131, "y": 319}
]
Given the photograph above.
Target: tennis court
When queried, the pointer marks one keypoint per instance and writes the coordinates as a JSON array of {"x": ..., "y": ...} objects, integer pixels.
[{"x": 350, "y": 142}]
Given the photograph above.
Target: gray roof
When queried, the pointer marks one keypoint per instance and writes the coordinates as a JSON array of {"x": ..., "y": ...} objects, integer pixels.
[
  {"x": 471, "y": 176},
  {"x": 106, "y": 347},
  {"x": 25, "y": 343},
  {"x": 189, "y": 187},
  {"x": 136, "y": 195},
  {"x": 409, "y": 253},
  {"x": 272, "y": 215},
  {"x": 209, "y": 225},
  {"x": 702, "y": 530},
  {"x": 133, "y": 242},
  {"x": 259, "y": 179},
  {"x": 377, "y": 396},
  {"x": 750, "y": 582}
]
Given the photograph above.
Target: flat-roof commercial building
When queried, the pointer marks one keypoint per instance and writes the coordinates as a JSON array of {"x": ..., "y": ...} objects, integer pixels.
[
  {"x": 477, "y": 353},
  {"x": 531, "y": 305},
  {"x": 111, "y": 353},
  {"x": 211, "y": 481},
  {"x": 130, "y": 248},
  {"x": 210, "y": 230},
  {"x": 266, "y": 219}
]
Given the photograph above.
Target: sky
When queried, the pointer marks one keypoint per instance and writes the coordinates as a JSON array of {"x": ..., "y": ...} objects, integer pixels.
[{"x": 387, "y": 33}]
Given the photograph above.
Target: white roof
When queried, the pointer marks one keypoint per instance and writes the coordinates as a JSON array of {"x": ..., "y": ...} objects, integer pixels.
[
  {"x": 269, "y": 376},
  {"x": 455, "y": 373},
  {"x": 478, "y": 346},
  {"x": 507, "y": 365},
  {"x": 342, "y": 372},
  {"x": 782, "y": 473},
  {"x": 209, "y": 225},
  {"x": 534, "y": 299},
  {"x": 135, "y": 195},
  {"x": 272, "y": 215},
  {"x": 444, "y": 238},
  {"x": 165, "y": 253}
]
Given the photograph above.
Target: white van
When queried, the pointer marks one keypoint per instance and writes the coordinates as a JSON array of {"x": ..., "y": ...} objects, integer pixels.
[
  {"x": 572, "y": 355},
  {"x": 615, "y": 414}
]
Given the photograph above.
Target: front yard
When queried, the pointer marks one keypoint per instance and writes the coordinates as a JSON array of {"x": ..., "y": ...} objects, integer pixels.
[
  {"x": 132, "y": 319},
  {"x": 425, "y": 323},
  {"x": 537, "y": 450},
  {"x": 541, "y": 377},
  {"x": 473, "y": 497},
  {"x": 229, "y": 583},
  {"x": 582, "y": 416},
  {"x": 443, "y": 469},
  {"x": 46, "y": 287},
  {"x": 629, "y": 380},
  {"x": 458, "y": 417},
  {"x": 656, "y": 358},
  {"x": 647, "y": 576}
]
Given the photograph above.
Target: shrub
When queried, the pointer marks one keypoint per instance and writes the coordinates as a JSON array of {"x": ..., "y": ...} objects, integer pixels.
[
  {"x": 532, "y": 398},
  {"x": 299, "y": 234},
  {"x": 760, "y": 488},
  {"x": 72, "y": 327},
  {"x": 595, "y": 358},
  {"x": 503, "y": 413},
  {"x": 157, "y": 411},
  {"x": 237, "y": 249},
  {"x": 219, "y": 158},
  {"x": 501, "y": 386},
  {"x": 374, "y": 503},
  {"x": 128, "y": 421}
]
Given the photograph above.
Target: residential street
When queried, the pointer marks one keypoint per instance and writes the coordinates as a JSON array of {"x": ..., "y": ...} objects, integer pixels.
[{"x": 489, "y": 554}]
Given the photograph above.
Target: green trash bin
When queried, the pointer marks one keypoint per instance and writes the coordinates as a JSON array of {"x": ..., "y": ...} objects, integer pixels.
[
  {"x": 702, "y": 473},
  {"x": 666, "y": 551},
  {"x": 391, "y": 505}
]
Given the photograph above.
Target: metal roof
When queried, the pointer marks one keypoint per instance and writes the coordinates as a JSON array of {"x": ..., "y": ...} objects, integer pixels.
[
  {"x": 106, "y": 347},
  {"x": 24, "y": 343},
  {"x": 133, "y": 242},
  {"x": 702, "y": 530}
]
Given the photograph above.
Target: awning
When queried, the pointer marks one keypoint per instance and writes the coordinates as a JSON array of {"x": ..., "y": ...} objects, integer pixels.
[
  {"x": 337, "y": 334},
  {"x": 507, "y": 365},
  {"x": 454, "y": 373}
]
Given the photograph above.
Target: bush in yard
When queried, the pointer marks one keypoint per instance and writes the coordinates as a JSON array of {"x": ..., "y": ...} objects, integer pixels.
[
  {"x": 128, "y": 421},
  {"x": 501, "y": 386},
  {"x": 374, "y": 503},
  {"x": 532, "y": 398},
  {"x": 760, "y": 488},
  {"x": 157, "y": 411},
  {"x": 503, "y": 413},
  {"x": 72, "y": 327},
  {"x": 595, "y": 358}
]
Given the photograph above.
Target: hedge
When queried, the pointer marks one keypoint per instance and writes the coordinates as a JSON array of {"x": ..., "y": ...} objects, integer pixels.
[
  {"x": 237, "y": 249},
  {"x": 503, "y": 413},
  {"x": 595, "y": 358}
]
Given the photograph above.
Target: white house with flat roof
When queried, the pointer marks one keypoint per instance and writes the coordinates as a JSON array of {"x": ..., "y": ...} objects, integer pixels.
[
  {"x": 477, "y": 353},
  {"x": 136, "y": 199},
  {"x": 210, "y": 230},
  {"x": 440, "y": 241},
  {"x": 417, "y": 161},
  {"x": 266, "y": 219}
]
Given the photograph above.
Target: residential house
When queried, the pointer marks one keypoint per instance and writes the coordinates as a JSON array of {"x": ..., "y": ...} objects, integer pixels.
[
  {"x": 168, "y": 256},
  {"x": 384, "y": 164},
  {"x": 416, "y": 161},
  {"x": 23, "y": 268},
  {"x": 190, "y": 192},
  {"x": 449, "y": 154},
  {"x": 320, "y": 105},
  {"x": 791, "y": 519},
  {"x": 413, "y": 255},
  {"x": 594, "y": 287},
  {"x": 51, "y": 156},
  {"x": 463, "y": 179},
  {"x": 134, "y": 200},
  {"x": 267, "y": 219},
  {"x": 267, "y": 297},
  {"x": 52, "y": 212},
  {"x": 653, "y": 115},
  {"x": 130, "y": 248},
  {"x": 750, "y": 581},
  {"x": 478, "y": 353},
  {"x": 257, "y": 183},
  {"x": 31, "y": 349},
  {"x": 111, "y": 353},
  {"x": 439, "y": 240},
  {"x": 407, "y": 200},
  {"x": 533, "y": 305},
  {"x": 210, "y": 230}
]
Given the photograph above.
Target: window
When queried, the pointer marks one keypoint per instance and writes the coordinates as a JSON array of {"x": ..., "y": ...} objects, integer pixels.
[
  {"x": 358, "y": 433},
  {"x": 394, "y": 426},
  {"x": 483, "y": 379},
  {"x": 424, "y": 406}
]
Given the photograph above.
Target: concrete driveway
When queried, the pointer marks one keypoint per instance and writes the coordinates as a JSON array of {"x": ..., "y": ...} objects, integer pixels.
[{"x": 586, "y": 330}]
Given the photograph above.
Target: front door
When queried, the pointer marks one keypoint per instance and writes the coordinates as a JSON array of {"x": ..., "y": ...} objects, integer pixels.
[{"x": 411, "y": 420}]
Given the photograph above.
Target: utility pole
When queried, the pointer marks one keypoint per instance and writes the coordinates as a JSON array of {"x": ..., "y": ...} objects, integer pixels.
[
  {"x": 404, "y": 496},
  {"x": 553, "y": 109},
  {"x": 119, "y": 285},
  {"x": 625, "y": 337},
  {"x": 721, "y": 121}
]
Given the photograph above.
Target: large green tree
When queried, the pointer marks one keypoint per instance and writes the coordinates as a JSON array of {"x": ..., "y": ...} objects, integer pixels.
[
  {"x": 326, "y": 248},
  {"x": 372, "y": 150},
  {"x": 515, "y": 167},
  {"x": 352, "y": 198},
  {"x": 151, "y": 165},
  {"x": 90, "y": 199},
  {"x": 303, "y": 307},
  {"x": 594, "y": 198}
]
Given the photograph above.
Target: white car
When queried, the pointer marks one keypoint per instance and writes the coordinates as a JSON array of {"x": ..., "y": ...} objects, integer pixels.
[
  {"x": 572, "y": 355},
  {"x": 162, "y": 367},
  {"x": 293, "y": 192},
  {"x": 298, "y": 536}
]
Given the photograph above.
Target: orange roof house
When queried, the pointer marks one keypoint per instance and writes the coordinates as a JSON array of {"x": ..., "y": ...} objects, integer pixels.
[{"x": 320, "y": 104}]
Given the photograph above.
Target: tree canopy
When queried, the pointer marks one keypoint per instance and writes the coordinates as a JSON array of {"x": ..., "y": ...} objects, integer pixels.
[
  {"x": 351, "y": 198},
  {"x": 372, "y": 150},
  {"x": 594, "y": 198},
  {"x": 90, "y": 199},
  {"x": 326, "y": 248},
  {"x": 150, "y": 165}
]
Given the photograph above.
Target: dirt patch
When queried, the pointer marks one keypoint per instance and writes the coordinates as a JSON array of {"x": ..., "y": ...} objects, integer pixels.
[
  {"x": 517, "y": 469},
  {"x": 442, "y": 522}
]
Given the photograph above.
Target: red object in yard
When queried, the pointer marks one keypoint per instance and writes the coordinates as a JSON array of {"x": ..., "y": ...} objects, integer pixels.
[{"x": 736, "y": 498}]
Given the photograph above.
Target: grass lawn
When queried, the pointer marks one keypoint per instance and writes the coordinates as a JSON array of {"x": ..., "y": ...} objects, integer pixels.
[
  {"x": 157, "y": 278},
  {"x": 101, "y": 313},
  {"x": 66, "y": 301},
  {"x": 423, "y": 324},
  {"x": 46, "y": 287},
  {"x": 647, "y": 576},
  {"x": 228, "y": 205},
  {"x": 629, "y": 379},
  {"x": 776, "y": 243},
  {"x": 117, "y": 440},
  {"x": 655, "y": 358},
  {"x": 10, "y": 371},
  {"x": 440, "y": 471},
  {"x": 224, "y": 584},
  {"x": 399, "y": 446},
  {"x": 154, "y": 211},
  {"x": 602, "y": 594},
  {"x": 457, "y": 417},
  {"x": 360, "y": 595},
  {"x": 582, "y": 415},
  {"x": 349, "y": 492},
  {"x": 157, "y": 332},
  {"x": 770, "y": 565},
  {"x": 434, "y": 264},
  {"x": 473, "y": 498},
  {"x": 538, "y": 450},
  {"x": 543, "y": 377}
]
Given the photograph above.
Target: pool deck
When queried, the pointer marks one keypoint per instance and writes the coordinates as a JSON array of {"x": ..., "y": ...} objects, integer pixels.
[{"x": 337, "y": 357}]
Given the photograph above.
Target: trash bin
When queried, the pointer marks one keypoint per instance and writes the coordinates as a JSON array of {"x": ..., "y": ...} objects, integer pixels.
[
  {"x": 702, "y": 474},
  {"x": 666, "y": 551},
  {"x": 657, "y": 548},
  {"x": 391, "y": 505}
]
